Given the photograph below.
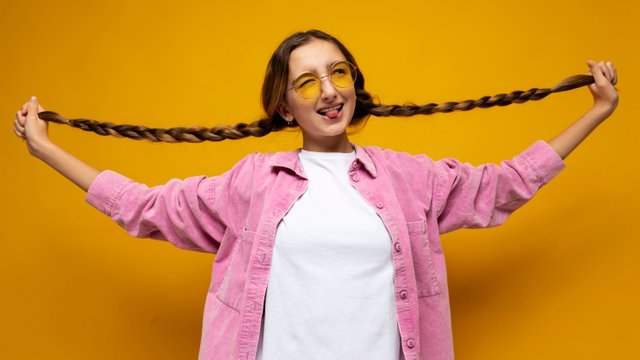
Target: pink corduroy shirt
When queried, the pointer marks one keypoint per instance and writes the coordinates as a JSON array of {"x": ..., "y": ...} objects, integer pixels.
[{"x": 235, "y": 216}]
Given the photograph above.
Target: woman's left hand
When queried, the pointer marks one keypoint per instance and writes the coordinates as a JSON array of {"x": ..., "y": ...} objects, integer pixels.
[{"x": 605, "y": 95}]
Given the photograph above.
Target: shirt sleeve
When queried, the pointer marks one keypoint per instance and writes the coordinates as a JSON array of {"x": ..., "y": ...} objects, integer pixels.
[
  {"x": 183, "y": 212},
  {"x": 469, "y": 196}
]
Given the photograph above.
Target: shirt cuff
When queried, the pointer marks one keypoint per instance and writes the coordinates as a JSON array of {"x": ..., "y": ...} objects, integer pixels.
[
  {"x": 105, "y": 190},
  {"x": 545, "y": 162}
]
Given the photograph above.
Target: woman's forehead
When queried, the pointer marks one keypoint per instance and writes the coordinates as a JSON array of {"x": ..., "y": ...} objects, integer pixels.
[{"x": 314, "y": 56}]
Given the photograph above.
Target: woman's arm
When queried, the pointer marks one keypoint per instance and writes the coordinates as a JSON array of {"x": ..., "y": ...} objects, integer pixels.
[
  {"x": 35, "y": 131},
  {"x": 605, "y": 98},
  {"x": 186, "y": 213},
  {"x": 469, "y": 196}
]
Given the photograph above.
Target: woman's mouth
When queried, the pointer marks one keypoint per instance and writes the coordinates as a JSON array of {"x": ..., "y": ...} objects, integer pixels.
[{"x": 331, "y": 112}]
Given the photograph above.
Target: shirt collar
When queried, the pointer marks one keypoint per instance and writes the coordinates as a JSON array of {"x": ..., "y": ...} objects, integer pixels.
[{"x": 291, "y": 161}]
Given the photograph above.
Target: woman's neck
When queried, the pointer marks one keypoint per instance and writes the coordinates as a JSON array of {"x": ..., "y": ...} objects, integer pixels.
[{"x": 339, "y": 143}]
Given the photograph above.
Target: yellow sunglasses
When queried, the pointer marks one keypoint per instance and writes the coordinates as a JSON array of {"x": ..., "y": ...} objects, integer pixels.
[{"x": 308, "y": 85}]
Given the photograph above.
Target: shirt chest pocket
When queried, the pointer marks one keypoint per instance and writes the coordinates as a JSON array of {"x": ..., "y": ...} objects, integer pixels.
[
  {"x": 234, "y": 280},
  {"x": 423, "y": 263}
]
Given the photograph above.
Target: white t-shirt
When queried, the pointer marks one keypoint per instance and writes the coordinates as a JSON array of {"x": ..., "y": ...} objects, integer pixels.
[{"x": 330, "y": 293}]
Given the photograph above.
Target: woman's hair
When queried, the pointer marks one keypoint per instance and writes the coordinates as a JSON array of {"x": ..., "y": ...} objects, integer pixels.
[{"x": 274, "y": 89}]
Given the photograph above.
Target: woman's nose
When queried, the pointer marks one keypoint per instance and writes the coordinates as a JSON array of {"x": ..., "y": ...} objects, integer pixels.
[{"x": 328, "y": 90}]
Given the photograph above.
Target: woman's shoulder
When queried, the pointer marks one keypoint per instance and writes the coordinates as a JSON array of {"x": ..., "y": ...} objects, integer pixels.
[
  {"x": 263, "y": 161},
  {"x": 378, "y": 154}
]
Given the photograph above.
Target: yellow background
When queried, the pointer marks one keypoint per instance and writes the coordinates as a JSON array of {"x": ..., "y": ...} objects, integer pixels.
[{"x": 558, "y": 281}]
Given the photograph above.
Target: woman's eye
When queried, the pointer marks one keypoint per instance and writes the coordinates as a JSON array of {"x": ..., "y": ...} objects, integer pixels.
[{"x": 305, "y": 83}]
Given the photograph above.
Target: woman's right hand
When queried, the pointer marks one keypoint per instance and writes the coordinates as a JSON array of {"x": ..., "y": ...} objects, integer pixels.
[{"x": 30, "y": 127}]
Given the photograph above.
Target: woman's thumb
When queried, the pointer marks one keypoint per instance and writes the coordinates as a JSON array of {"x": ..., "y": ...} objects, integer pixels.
[
  {"x": 33, "y": 107},
  {"x": 34, "y": 126},
  {"x": 33, "y": 103}
]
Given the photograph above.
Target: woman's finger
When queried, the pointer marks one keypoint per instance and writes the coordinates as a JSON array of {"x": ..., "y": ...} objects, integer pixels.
[
  {"x": 609, "y": 70},
  {"x": 604, "y": 69},
  {"x": 607, "y": 66},
  {"x": 25, "y": 108},
  {"x": 20, "y": 118},
  {"x": 16, "y": 125},
  {"x": 614, "y": 78},
  {"x": 598, "y": 76},
  {"x": 18, "y": 134}
]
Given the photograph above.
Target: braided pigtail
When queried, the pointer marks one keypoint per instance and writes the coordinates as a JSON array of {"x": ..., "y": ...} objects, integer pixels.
[
  {"x": 484, "y": 102},
  {"x": 172, "y": 135},
  {"x": 365, "y": 105}
]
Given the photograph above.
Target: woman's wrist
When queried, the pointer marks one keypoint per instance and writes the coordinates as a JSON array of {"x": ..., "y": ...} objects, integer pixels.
[
  {"x": 601, "y": 112},
  {"x": 604, "y": 110},
  {"x": 40, "y": 148}
]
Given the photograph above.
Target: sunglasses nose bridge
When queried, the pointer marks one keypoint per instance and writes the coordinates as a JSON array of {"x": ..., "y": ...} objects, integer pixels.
[{"x": 327, "y": 87}]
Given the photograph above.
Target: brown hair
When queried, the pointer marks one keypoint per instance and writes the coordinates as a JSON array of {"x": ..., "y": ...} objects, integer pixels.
[{"x": 273, "y": 93}]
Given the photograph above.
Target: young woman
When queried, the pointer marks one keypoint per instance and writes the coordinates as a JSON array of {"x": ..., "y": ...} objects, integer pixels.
[{"x": 331, "y": 251}]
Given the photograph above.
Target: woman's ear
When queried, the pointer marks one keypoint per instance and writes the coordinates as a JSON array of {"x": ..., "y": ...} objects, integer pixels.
[{"x": 283, "y": 110}]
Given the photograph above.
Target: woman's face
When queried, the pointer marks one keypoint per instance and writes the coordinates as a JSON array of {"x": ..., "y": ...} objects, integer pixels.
[{"x": 320, "y": 132}]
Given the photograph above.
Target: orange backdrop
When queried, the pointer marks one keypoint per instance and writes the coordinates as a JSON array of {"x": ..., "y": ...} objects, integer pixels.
[{"x": 557, "y": 281}]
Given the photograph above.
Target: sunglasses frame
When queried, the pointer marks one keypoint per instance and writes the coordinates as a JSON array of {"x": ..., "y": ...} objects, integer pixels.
[{"x": 352, "y": 67}]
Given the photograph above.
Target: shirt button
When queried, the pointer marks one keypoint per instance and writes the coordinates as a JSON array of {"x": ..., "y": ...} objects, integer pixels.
[
  {"x": 355, "y": 178},
  {"x": 398, "y": 248},
  {"x": 379, "y": 204},
  {"x": 403, "y": 294},
  {"x": 411, "y": 343}
]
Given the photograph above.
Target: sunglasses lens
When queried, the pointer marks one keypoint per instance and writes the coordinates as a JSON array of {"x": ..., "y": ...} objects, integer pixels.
[
  {"x": 343, "y": 75},
  {"x": 307, "y": 85}
]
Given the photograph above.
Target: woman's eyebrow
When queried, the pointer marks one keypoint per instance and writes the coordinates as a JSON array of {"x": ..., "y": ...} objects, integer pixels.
[{"x": 327, "y": 66}]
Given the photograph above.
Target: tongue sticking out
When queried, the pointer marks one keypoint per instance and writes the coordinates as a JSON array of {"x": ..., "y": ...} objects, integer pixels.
[{"x": 332, "y": 114}]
